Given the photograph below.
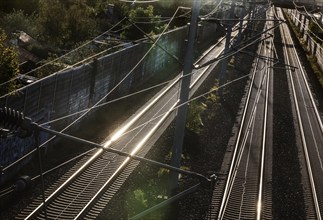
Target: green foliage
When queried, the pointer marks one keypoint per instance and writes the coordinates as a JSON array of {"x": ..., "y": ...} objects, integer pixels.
[
  {"x": 316, "y": 32},
  {"x": 151, "y": 25},
  {"x": 52, "y": 17},
  {"x": 316, "y": 68},
  {"x": 194, "y": 121},
  {"x": 140, "y": 197},
  {"x": 9, "y": 66},
  {"x": 162, "y": 172},
  {"x": 147, "y": 195},
  {"x": 65, "y": 24},
  {"x": 18, "y": 20},
  {"x": 28, "y": 6},
  {"x": 80, "y": 23}
]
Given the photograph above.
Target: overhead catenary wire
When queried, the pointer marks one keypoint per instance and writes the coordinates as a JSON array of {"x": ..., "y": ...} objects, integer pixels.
[
  {"x": 166, "y": 19},
  {"x": 66, "y": 68},
  {"x": 313, "y": 18},
  {"x": 226, "y": 84},
  {"x": 229, "y": 54},
  {"x": 157, "y": 44},
  {"x": 307, "y": 29},
  {"x": 149, "y": 88},
  {"x": 66, "y": 54},
  {"x": 102, "y": 99},
  {"x": 190, "y": 100},
  {"x": 73, "y": 114},
  {"x": 11, "y": 189},
  {"x": 108, "y": 102},
  {"x": 144, "y": 90},
  {"x": 213, "y": 11},
  {"x": 152, "y": 119},
  {"x": 79, "y": 62},
  {"x": 215, "y": 90}
]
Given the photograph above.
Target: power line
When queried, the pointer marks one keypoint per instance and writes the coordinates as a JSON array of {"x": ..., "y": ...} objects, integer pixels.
[
  {"x": 152, "y": 119},
  {"x": 88, "y": 110},
  {"x": 313, "y": 18},
  {"x": 189, "y": 101},
  {"x": 167, "y": 19},
  {"x": 306, "y": 27},
  {"x": 97, "y": 103},
  {"x": 213, "y": 11},
  {"x": 68, "y": 53},
  {"x": 66, "y": 68},
  {"x": 152, "y": 87},
  {"x": 82, "y": 61},
  {"x": 107, "y": 103},
  {"x": 161, "y": 47},
  {"x": 161, "y": 84}
]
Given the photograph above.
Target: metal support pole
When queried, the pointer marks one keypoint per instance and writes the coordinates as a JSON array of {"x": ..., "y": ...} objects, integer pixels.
[
  {"x": 226, "y": 50},
  {"x": 242, "y": 14},
  {"x": 184, "y": 95},
  {"x": 301, "y": 17},
  {"x": 299, "y": 22},
  {"x": 253, "y": 16},
  {"x": 37, "y": 137},
  {"x": 306, "y": 23}
]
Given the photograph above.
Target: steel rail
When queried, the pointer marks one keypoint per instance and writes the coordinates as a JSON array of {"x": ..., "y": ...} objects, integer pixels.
[
  {"x": 158, "y": 123},
  {"x": 107, "y": 145},
  {"x": 114, "y": 138},
  {"x": 249, "y": 127},
  {"x": 300, "y": 124},
  {"x": 126, "y": 161},
  {"x": 310, "y": 93},
  {"x": 236, "y": 154},
  {"x": 155, "y": 127},
  {"x": 263, "y": 149},
  {"x": 236, "y": 161}
]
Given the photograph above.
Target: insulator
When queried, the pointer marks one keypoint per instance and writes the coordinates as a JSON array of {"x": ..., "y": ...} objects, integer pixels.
[{"x": 15, "y": 120}]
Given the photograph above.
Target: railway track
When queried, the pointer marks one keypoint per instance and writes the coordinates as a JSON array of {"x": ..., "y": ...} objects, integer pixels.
[
  {"x": 89, "y": 186},
  {"x": 245, "y": 190},
  {"x": 309, "y": 128}
]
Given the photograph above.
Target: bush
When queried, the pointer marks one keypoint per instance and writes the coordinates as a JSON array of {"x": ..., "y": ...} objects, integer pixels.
[
  {"x": 18, "y": 20},
  {"x": 9, "y": 65}
]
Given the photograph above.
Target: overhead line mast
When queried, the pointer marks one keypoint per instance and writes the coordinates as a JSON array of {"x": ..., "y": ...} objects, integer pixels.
[{"x": 184, "y": 95}]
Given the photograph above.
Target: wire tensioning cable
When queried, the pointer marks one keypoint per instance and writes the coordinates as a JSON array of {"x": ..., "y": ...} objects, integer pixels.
[
  {"x": 129, "y": 95},
  {"x": 16, "y": 122},
  {"x": 102, "y": 99}
]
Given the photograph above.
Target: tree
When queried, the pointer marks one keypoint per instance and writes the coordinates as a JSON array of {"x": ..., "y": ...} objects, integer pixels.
[
  {"x": 29, "y": 6},
  {"x": 9, "y": 65},
  {"x": 316, "y": 32},
  {"x": 80, "y": 22},
  {"x": 148, "y": 22},
  {"x": 67, "y": 23},
  {"x": 52, "y": 17},
  {"x": 18, "y": 20}
]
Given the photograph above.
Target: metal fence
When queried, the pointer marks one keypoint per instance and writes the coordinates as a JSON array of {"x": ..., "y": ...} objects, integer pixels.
[{"x": 81, "y": 87}]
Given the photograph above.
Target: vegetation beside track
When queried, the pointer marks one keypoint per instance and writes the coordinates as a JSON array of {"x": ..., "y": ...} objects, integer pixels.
[{"x": 312, "y": 59}]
